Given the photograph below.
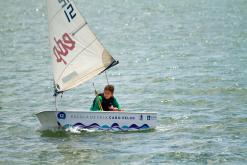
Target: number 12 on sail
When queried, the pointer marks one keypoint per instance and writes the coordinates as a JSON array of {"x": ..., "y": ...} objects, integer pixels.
[{"x": 69, "y": 10}]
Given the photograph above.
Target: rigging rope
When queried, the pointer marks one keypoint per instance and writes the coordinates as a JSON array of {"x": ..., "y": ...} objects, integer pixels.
[{"x": 106, "y": 78}]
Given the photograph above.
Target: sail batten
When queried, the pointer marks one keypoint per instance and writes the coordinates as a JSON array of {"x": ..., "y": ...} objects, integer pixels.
[
  {"x": 77, "y": 30},
  {"x": 77, "y": 55}
]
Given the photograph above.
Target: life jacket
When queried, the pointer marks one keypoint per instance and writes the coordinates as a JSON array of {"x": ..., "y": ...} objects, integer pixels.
[{"x": 106, "y": 103}]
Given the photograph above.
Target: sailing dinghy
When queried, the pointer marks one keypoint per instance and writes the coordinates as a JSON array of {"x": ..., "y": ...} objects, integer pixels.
[{"x": 78, "y": 56}]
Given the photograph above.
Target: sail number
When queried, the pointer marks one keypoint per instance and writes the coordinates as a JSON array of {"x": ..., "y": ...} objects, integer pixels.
[{"x": 68, "y": 9}]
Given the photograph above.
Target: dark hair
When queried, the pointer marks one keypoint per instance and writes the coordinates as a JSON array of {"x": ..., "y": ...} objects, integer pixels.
[{"x": 109, "y": 88}]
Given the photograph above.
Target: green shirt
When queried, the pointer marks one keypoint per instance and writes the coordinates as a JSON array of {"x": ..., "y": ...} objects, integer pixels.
[{"x": 96, "y": 107}]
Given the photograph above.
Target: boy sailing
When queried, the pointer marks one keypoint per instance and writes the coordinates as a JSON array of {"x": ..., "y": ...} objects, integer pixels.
[{"x": 106, "y": 101}]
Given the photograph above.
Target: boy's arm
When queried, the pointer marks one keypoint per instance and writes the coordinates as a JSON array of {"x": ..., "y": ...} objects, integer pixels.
[
  {"x": 95, "y": 106},
  {"x": 115, "y": 104}
]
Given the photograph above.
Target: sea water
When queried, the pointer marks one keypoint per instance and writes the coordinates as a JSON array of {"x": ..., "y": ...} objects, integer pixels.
[{"x": 185, "y": 60}]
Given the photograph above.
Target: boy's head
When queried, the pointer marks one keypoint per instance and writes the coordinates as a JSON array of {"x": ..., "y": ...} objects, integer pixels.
[{"x": 108, "y": 91}]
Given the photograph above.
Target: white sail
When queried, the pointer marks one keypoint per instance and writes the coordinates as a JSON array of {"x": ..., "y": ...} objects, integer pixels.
[{"x": 77, "y": 55}]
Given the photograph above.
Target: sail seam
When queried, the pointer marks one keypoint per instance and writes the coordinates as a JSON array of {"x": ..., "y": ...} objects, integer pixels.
[
  {"x": 53, "y": 17},
  {"x": 85, "y": 75},
  {"x": 76, "y": 57}
]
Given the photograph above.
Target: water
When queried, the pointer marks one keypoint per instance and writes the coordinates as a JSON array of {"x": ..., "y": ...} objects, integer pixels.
[{"x": 185, "y": 60}]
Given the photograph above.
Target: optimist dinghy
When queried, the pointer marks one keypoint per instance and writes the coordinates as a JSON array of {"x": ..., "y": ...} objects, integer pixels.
[{"x": 78, "y": 56}]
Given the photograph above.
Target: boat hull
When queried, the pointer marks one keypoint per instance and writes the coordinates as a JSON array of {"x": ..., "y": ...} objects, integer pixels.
[{"x": 123, "y": 121}]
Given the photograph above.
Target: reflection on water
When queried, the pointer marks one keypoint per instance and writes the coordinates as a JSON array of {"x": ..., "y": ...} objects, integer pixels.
[{"x": 55, "y": 133}]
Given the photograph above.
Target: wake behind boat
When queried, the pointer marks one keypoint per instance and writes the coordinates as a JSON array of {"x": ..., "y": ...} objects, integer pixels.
[{"x": 78, "y": 56}]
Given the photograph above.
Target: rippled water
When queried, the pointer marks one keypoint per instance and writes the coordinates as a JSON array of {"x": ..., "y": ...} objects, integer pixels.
[{"x": 185, "y": 60}]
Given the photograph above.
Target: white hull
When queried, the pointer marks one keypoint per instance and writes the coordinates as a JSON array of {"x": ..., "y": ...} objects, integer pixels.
[{"x": 98, "y": 120}]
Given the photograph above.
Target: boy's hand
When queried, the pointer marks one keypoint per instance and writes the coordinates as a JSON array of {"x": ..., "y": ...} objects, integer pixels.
[{"x": 113, "y": 108}]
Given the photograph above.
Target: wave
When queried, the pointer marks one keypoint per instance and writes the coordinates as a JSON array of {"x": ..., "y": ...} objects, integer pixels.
[{"x": 114, "y": 126}]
